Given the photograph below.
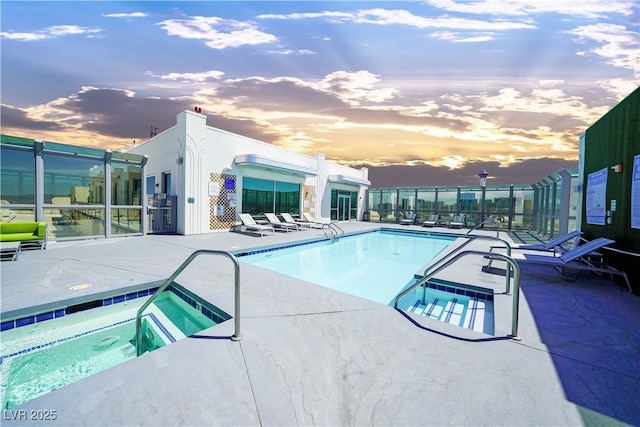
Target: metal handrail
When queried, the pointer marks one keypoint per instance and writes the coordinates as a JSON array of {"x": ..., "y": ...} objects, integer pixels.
[
  {"x": 330, "y": 226},
  {"x": 237, "y": 336},
  {"x": 470, "y": 238},
  {"x": 516, "y": 283},
  {"x": 491, "y": 218}
]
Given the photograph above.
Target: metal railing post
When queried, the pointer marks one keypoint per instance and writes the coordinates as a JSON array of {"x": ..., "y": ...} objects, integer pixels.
[{"x": 237, "y": 336}]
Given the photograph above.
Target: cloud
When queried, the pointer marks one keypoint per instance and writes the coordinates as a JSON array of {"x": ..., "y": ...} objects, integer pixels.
[
  {"x": 189, "y": 77},
  {"x": 51, "y": 32},
  {"x": 620, "y": 46},
  {"x": 126, "y": 15},
  {"x": 585, "y": 8},
  {"x": 404, "y": 17},
  {"x": 218, "y": 33}
]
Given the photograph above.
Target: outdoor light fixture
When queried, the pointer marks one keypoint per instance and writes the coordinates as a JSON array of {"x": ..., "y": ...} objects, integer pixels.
[
  {"x": 617, "y": 168},
  {"x": 483, "y": 178}
]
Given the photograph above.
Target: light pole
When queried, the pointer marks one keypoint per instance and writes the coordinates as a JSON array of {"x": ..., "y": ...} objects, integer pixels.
[{"x": 483, "y": 184}]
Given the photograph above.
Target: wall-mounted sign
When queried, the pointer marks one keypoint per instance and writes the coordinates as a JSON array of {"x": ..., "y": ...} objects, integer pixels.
[
  {"x": 229, "y": 184},
  {"x": 635, "y": 193},
  {"x": 214, "y": 189},
  {"x": 596, "y": 199}
]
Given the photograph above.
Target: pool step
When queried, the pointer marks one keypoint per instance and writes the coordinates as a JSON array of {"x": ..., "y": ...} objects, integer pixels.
[{"x": 453, "y": 312}]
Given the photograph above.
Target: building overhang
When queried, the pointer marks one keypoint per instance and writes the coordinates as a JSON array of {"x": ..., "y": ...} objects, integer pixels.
[
  {"x": 267, "y": 163},
  {"x": 344, "y": 179}
]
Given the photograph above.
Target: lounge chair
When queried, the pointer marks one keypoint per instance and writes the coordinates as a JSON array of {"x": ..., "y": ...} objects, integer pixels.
[
  {"x": 409, "y": 219},
  {"x": 277, "y": 224},
  {"x": 288, "y": 218},
  {"x": 311, "y": 220},
  {"x": 577, "y": 259},
  {"x": 250, "y": 225},
  {"x": 457, "y": 221},
  {"x": 554, "y": 245},
  {"x": 431, "y": 221}
]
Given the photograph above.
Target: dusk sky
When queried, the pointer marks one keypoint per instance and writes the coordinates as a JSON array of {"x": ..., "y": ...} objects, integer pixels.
[{"x": 423, "y": 93}]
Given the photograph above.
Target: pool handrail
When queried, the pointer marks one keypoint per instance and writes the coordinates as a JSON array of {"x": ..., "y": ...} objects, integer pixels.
[
  {"x": 237, "y": 335},
  {"x": 470, "y": 238},
  {"x": 516, "y": 283},
  {"x": 334, "y": 229}
]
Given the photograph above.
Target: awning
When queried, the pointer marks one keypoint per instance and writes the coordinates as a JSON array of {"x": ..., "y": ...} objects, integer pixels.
[
  {"x": 257, "y": 160},
  {"x": 343, "y": 179}
]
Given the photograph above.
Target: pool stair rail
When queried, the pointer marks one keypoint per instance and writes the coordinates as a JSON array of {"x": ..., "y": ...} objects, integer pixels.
[
  {"x": 332, "y": 230},
  {"x": 512, "y": 271},
  {"x": 237, "y": 335}
]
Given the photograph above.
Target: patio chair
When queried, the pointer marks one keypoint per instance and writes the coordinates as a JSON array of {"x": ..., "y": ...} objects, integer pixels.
[
  {"x": 288, "y": 218},
  {"x": 577, "y": 259},
  {"x": 277, "y": 224},
  {"x": 311, "y": 220},
  {"x": 431, "y": 221},
  {"x": 250, "y": 225},
  {"x": 554, "y": 245},
  {"x": 458, "y": 221},
  {"x": 409, "y": 218}
]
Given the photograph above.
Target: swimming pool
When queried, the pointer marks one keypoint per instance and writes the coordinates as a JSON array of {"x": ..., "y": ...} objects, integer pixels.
[
  {"x": 42, "y": 356},
  {"x": 378, "y": 266},
  {"x": 374, "y": 265}
]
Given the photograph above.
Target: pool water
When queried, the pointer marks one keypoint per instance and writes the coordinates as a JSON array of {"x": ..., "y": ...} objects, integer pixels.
[
  {"x": 375, "y": 266},
  {"x": 378, "y": 266},
  {"x": 45, "y": 356}
]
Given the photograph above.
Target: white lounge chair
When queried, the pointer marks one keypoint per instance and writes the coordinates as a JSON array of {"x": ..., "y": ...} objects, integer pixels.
[
  {"x": 457, "y": 221},
  {"x": 576, "y": 259},
  {"x": 311, "y": 220},
  {"x": 250, "y": 225},
  {"x": 431, "y": 221},
  {"x": 276, "y": 223},
  {"x": 288, "y": 218},
  {"x": 409, "y": 219}
]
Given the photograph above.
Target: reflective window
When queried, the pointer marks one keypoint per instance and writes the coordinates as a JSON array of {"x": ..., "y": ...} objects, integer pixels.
[
  {"x": 344, "y": 205},
  {"x": 447, "y": 201},
  {"x": 125, "y": 184},
  {"x": 151, "y": 185},
  {"x": 388, "y": 206},
  {"x": 17, "y": 184},
  {"x": 261, "y": 196},
  {"x": 126, "y": 221},
  {"x": 72, "y": 180},
  {"x": 287, "y": 198},
  {"x": 426, "y": 203},
  {"x": 72, "y": 222},
  {"x": 406, "y": 200}
]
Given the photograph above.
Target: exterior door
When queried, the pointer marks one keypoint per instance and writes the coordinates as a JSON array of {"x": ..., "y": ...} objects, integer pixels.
[{"x": 344, "y": 207}]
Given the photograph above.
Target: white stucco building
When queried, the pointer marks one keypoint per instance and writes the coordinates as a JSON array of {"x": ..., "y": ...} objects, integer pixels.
[{"x": 216, "y": 175}]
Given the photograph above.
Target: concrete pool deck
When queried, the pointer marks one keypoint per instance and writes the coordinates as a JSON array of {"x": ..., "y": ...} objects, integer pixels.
[{"x": 313, "y": 356}]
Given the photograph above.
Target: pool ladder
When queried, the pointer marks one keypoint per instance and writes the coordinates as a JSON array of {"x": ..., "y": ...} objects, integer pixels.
[
  {"x": 237, "y": 336},
  {"x": 332, "y": 230},
  {"x": 456, "y": 254}
]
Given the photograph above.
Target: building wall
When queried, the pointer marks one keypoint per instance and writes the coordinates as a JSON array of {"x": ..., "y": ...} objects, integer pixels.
[
  {"x": 615, "y": 139},
  {"x": 201, "y": 158}
]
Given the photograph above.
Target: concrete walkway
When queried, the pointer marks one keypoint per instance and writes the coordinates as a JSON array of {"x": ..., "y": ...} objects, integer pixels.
[{"x": 313, "y": 356}]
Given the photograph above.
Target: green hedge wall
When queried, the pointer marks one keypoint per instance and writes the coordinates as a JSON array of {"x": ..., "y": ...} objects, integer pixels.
[{"x": 613, "y": 139}]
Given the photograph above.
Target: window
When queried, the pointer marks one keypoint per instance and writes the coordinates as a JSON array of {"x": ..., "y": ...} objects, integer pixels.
[
  {"x": 151, "y": 185},
  {"x": 260, "y": 196},
  {"x": 73, "y": 181},
  {"x": 17, "y": 185},
  {"x": 166, "y": 183}
]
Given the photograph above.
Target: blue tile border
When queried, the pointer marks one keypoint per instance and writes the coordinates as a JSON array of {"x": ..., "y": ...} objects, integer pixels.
[
  {"x": 460, "y": 291},
  {"x": 212, "y": 312}
]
